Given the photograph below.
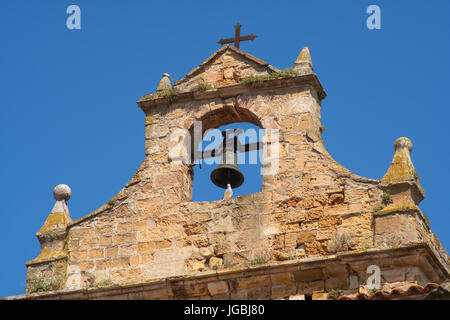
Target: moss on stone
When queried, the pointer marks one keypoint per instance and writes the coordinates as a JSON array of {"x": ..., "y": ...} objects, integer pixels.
[
  {"x": 168, "y": 94},
  {"x": 135, "y": 179},
  {"x": 378, "y": 208},
  {"x": 288, "y": 72},
  {"x": 48, "y": 254},
  {"x": 402, "y": 207},
  {"x": 401, "y": 169},
  {"x": 54, "y": 221}
]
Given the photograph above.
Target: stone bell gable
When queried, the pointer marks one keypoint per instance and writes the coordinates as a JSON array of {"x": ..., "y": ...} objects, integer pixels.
[
  {"x": 315, "y": 226},
  {"x": 226, "y": 66}
]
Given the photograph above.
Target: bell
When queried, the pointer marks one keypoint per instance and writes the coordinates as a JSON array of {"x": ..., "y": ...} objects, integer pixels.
[{"x": 227, "y": 172}]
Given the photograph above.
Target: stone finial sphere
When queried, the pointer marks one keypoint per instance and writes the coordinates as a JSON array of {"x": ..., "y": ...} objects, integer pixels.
[
  {"x": 403, "y": 142},
  {"x": 62, "y": 192}
]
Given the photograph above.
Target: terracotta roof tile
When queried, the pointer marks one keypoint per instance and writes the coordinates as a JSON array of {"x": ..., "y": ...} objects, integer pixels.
[{"x": 395, "y": 293}]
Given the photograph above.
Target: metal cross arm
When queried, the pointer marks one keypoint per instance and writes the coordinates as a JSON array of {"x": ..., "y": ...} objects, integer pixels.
[
  {"x": 237, "y": 37},
  {"x": 232, "y": 144},
  {"x": 205, "y": 154}
]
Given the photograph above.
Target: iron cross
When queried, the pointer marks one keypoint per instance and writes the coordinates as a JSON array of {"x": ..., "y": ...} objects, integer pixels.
[{"x": 237, "y": 37}]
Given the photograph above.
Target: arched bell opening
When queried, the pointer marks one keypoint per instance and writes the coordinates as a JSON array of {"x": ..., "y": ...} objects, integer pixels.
[
  {"x": 240, "y": 165},
  {"x": 233, "y": 165}
]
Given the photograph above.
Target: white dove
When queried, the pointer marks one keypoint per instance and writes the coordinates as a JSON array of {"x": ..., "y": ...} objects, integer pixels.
[{"x": 228, "y": 193}]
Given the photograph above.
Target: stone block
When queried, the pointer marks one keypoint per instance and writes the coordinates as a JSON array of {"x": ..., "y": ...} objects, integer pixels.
[
  {"x": 259, "y": 293},
  {"x": 145, "y": 246},
  {"x": 310, "y": 287},
  {"x": 336, "y": 282},
  {"x": 241, "y": 294},
  {"x": 354, "y": 282},
  {"x": 120, "y": 262},
  {"x": 283, "y": 290},
  {"x": 319, "y": 296},
  {"x": 111, "y": 252},
  {"x": 315, "y": 213},
  {"x": 395, "y": 230},
  {"x": 290, "y": 240},
  {"x": 306, "y": 236},
  {"x": 255, "y": 281},
  {"x": 218, "y": 288},
  {"x": 281, "y": 277},
  {"x": 127, "y": 249},
  {"x": 393, "y": 275},
  {"x": 215, "y": 263},
  {"x": 329, "y": 222},
  {"x": 124, "y": 238},
  {"x": 81, "y": 233},
  {"x": 316, "y": 248},
  {"x": 308, "y": 275},
  {"x": 188, "y": 290}
]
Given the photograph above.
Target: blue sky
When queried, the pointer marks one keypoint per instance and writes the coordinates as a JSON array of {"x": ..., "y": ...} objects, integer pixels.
[{"x": 68, "y": 97}]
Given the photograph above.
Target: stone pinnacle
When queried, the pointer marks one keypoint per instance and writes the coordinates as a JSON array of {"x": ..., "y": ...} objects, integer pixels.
[
  {"x": 164, "y": 83},
  {"x": 303, "y": 64}
]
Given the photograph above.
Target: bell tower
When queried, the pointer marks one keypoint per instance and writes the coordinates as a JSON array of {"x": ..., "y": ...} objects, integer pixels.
[
  {"x": 315, "y": 227},
  {"x": 222, "y": 91}
]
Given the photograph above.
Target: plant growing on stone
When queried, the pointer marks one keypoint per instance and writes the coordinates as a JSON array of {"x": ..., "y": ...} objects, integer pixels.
[
  {"x": 257, "y": 261},
  {"x": 147, "y": 96},
  {"x": 100, "y": 284},
  {"x": 340, "y": 242},
  {"x": 334, "y": 294},
  {"x": 39, "y": 285},
  {"x": 386, "y": 199},
  {"x": 395, "y": 242},
  {"x": 367, "y": 244},
  {"x": 229, "y": 264},
  {"x": 203, "y": 86},
  {"x": 168, "y": 94},
  {"x": 254, "y": 79},
  {"x": 284, "y": 73},
  {"x": 44, "y": 285}
]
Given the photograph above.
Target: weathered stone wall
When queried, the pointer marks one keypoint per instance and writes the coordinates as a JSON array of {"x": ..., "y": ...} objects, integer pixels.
[
  {"x": 224, "y": 69},
  {"x": 313, "y": 278},
  {"x": 156, "y": 231},
  {"x": 309, "y": 207}
]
